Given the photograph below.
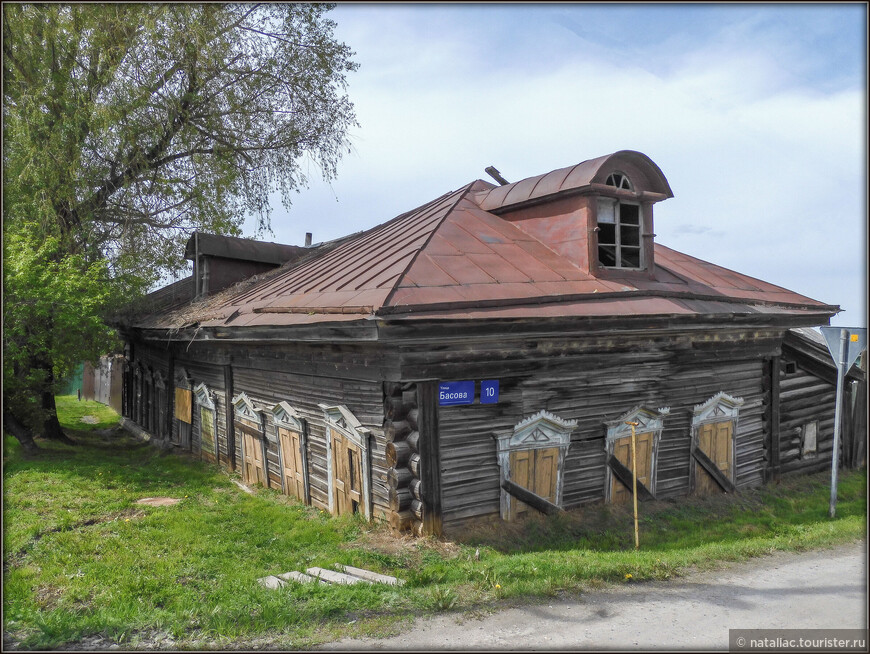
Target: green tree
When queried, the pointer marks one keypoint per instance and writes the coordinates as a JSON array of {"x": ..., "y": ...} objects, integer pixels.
[{"x": 126, "y": 128}]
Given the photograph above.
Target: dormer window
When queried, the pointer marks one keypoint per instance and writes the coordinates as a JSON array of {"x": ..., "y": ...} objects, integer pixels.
[
  {"x": 619, "y": 180},
  {"x": 619, "y": 226}
]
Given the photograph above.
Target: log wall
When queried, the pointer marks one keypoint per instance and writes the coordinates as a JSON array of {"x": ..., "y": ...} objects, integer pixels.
[
  {"x": 302, "y": 375},
  {"x": 804, "y": 398},
  {"x": 437, "y": 466},
  {"x": 576, "y": 380}
]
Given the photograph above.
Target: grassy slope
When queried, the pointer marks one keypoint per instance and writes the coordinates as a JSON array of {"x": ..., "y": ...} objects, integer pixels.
[{"x": 82, "y": 558}]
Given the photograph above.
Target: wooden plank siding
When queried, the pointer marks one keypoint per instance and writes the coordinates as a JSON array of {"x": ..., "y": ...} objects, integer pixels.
[
  {"x": 304, "y": 392},
  {"x": 589, "y": 378},
  {"x": 591, "y": 388}
]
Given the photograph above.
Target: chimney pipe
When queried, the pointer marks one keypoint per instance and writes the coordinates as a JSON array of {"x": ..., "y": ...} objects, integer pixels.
[
  {"x": 493, "y": 172},
  {"x": 308, "y": 239}
]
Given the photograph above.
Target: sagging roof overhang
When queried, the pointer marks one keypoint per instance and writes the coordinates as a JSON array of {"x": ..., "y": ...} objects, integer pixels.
[{"x": 492, "y": 323}]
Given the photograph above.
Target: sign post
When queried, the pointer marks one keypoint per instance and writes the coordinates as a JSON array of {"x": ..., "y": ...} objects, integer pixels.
[
  {"x": 634, "y": 482},
  {"x": 844, "y": 344}
]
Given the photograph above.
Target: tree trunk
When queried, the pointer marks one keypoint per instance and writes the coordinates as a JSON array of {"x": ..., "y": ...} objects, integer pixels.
[
  {"x": 51, "y": 428},
  {"x": 13, "y": 425}
]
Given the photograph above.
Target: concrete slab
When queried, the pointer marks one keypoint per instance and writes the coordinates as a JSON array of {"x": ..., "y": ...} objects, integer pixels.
[
  {"x": 301, "y": 577},
  {"x": 272, "y": 582},
  {"x": 368, "y": 575},
  {"x": 335, "y": 577}
]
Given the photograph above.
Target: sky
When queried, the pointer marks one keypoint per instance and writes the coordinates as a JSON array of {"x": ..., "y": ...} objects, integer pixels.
[{"x": 755, "y": 113}]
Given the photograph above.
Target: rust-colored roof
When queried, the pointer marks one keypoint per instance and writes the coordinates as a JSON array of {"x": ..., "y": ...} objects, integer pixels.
[
  {"x": 454, "y": 258},
  {"x": 571, "y": 179}
]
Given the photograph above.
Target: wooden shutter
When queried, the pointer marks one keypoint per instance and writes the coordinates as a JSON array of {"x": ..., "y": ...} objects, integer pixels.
[
  {"x": 206, "y": 432},
  {"x": 714, "y": 440},
  {"x": 535, "y": 470},
  {"x": 619, "y": 494},
  {"x": 346, "y": 474},
  {"x": 183, "y": 404},
  {"x": 291, "y": 455}
]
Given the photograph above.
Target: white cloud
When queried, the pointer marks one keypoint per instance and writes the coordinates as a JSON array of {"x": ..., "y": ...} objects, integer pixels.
[{"x": 768, "y": 170}]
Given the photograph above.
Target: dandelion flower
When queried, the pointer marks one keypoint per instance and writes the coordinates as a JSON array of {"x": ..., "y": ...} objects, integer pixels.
[
  {"x": 126, "y": 519},
  {"x": 498, "y": 585},
  {"x": 628, "y": 576}
]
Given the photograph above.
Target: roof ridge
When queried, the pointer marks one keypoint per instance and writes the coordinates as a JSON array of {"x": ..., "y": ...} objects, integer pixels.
[{"x": 461, "y": 193}]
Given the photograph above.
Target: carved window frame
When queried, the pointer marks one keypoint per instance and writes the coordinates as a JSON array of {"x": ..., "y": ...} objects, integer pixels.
[
  {"x": 285, "y": 416},
  {"x": 542, "y": 430},
  {"x": 245, "y": 410},
  {"x": 205, "y": 399},
  {"x": 651, "y": 420},
  {"x": 341, "y": 419},
  {"x": 722, "y": 407}
]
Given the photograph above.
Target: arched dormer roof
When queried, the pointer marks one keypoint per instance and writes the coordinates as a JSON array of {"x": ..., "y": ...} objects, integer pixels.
[{"x": 648, "y": 180}]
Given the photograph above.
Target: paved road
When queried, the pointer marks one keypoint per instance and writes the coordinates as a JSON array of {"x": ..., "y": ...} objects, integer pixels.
[{"x": 815, "y": 590}]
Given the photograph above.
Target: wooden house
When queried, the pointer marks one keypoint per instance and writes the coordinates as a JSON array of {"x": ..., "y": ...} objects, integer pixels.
[{"x": 482, "y": 355}]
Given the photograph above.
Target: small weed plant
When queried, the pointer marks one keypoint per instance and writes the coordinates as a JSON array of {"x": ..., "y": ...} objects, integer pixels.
[{"x": 83, "y": 558}]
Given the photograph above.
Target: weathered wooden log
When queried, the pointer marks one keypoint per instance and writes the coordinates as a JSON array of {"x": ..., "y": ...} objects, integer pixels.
[
  {"x": 414, "y": 464},
  {"x": 409, "y": 397},
  {"x": 417, "y": 509},
  {"x": 394, "y": 408},
  {"x": 417, "y": 528},
  {"x": 416, "y": 487},
  {"x": 401, "y": 520},
  {"x": 413, "y": 440},
  {"x": 412, "y": 418},
  {"x": 397, "y": 430},
  {"x": 398, "y": 477},
  {"x": 400, "y": 499},
  {"x": 398, "y": 454}
]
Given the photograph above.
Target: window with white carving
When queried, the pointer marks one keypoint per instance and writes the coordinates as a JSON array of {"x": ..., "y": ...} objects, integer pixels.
[{"x": 532, "y": 456}]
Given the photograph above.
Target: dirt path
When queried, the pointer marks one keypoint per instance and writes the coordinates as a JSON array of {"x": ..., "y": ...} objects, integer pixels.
[{"x": 822, "y": 589}]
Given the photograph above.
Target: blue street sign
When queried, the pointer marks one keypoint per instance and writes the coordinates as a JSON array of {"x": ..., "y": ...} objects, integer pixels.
[
  {"x": 455, "y": 392},
  {"x": 489, "y": 391}
]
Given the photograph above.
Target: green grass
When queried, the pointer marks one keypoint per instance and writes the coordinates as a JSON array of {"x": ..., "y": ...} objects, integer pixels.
[{"x": 81, "y": 558}]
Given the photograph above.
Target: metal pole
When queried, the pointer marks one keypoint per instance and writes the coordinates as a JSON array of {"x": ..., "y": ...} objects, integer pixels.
[
  {"x": 634, "y": 483},
  {"x": 835, "y": 456}
]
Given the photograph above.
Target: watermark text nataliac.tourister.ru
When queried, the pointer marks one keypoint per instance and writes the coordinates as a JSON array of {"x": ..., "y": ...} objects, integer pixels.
[{"x": 809, "y": 640}]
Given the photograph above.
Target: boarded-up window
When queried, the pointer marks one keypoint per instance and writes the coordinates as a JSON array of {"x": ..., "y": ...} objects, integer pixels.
[
  {"x": 534, "y": 470},
  {"x": 643, "y": 446},
  {"x": 809, "y": 440},
  {"x": 714, "y": 434},
  {"x": 183, "y": 405},
  {"x": 533, "y": 456},
  {"x": 715, "y": 441},
  {"x": 623, "y": 473},
  {"x": 291, "y": 455},
  {"x": 347, "y": 460}
]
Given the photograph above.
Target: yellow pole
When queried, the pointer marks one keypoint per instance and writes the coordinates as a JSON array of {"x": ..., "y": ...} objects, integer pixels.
[{"x": 634, "y": 483}]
